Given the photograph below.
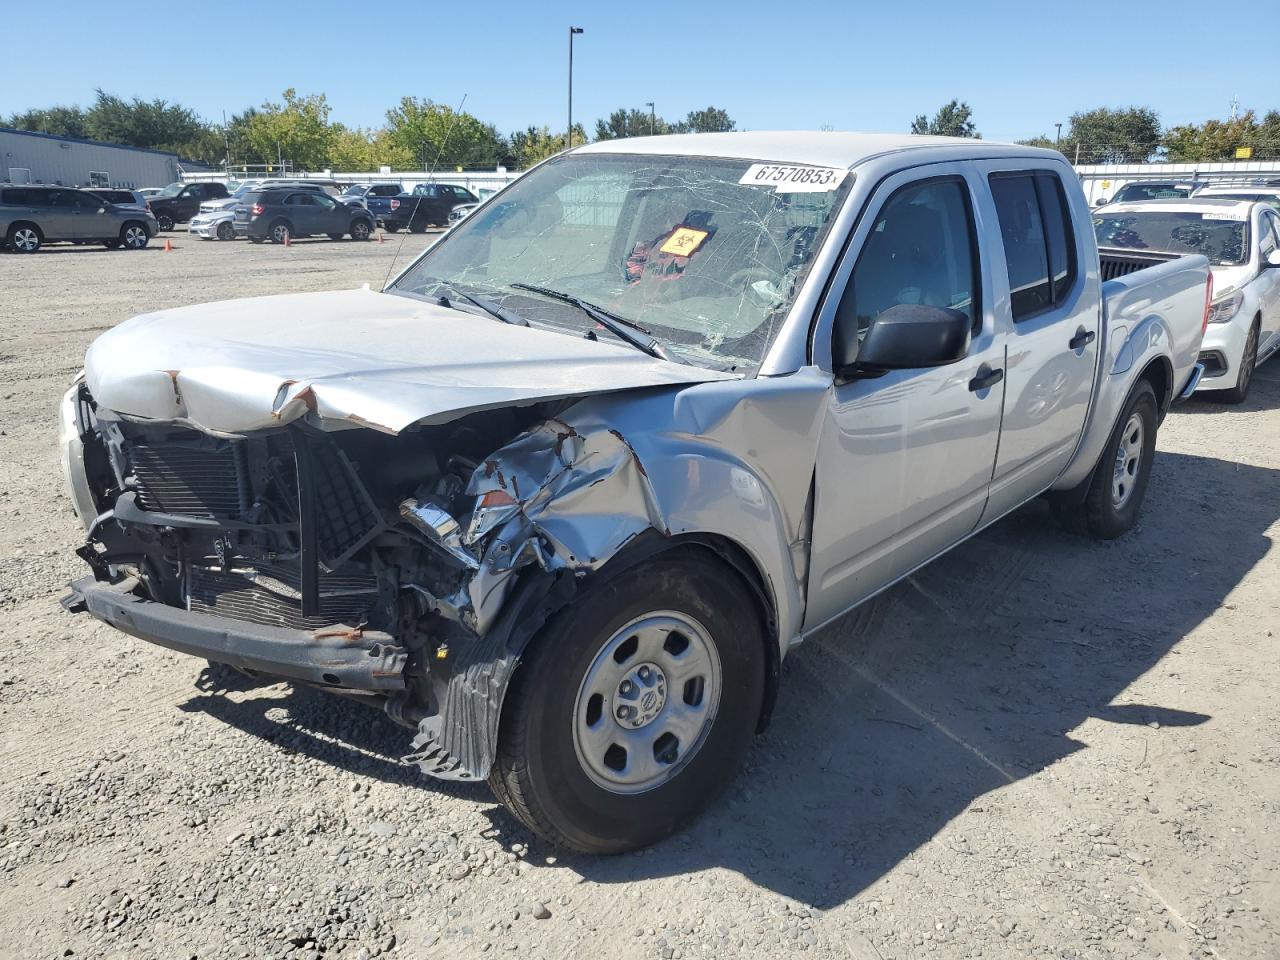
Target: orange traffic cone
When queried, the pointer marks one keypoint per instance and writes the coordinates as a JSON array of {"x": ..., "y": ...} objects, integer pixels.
[
  {"x": 287, "y": 238},
  {"x": 381, "y": 239},
  {"x": 168, "y": 247}
]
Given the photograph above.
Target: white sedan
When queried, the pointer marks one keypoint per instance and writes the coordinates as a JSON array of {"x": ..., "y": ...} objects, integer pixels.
[{"x": 1241, "y": 238}]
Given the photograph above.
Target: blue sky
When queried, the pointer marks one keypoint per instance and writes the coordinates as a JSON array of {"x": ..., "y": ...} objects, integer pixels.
[{"x": 852, "y": 66}]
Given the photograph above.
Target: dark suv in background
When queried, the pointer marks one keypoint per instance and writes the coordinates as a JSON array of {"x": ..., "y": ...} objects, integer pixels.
[
  {"x": 283, "y": 213},
  {"x": 179, "y": 202},
  {"x": 33, "y": 214},
  {"x": 428, "y": 205}
]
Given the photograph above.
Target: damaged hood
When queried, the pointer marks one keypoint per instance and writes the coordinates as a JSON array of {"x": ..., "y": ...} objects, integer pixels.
[{"x": 349, "y": 357}]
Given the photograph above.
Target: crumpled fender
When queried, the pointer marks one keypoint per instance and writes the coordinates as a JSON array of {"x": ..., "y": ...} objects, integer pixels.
[{"x": 729, "y": 459}]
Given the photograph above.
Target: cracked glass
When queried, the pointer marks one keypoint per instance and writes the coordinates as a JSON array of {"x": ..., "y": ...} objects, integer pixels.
[{"x": 677, "y": 246}]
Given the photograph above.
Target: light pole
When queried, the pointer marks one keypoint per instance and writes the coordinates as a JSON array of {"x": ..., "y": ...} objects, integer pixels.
[
  {"x": 569, "y": 136},
  {"x": 1058, "y": 139},
  {"x": 653, "y": 118}
]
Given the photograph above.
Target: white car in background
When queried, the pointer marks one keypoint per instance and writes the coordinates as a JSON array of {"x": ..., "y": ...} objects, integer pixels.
[
  {"x": 1260, "y": 194},
  {"x": 1241, "y": 238}
]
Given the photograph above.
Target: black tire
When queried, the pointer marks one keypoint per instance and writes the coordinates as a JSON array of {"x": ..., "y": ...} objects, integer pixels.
[
  {"x": 1100, "y": 515},
  {"x": 226, "y": 231},
  {"x": 24, "y": 238},
  {"x": 165, "y": 221},
  {"x": 281, "y": 231},
  {"x": 417, "y": 227},
  {"x": 1248, "y": 361},
  {"x": 360, "y": 230},
  {"x": 134, "y": 236},
  {"x": 257, "y": 239},
  {"x": 537, "y": 773},
  {"x": 390, "y": 227}
]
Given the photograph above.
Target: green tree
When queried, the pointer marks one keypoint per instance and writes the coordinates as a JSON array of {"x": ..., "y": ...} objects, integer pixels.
[
  {"x": 152, "y": 124},
  {"x": 60, "y": 121},
  {"x": 630, "y": 123},
  {"x": 953, "y": 119},
  {"x": 1104, "y": 135},
  {"x": 535, "y": 144},
  {"x": 707, "y": 120},
  {"x": 434, "y": 134},
  {"x": 1265, "y": 138},
  {"x": 1211, "y": 140},
  {"x": 297, "y": 130}
]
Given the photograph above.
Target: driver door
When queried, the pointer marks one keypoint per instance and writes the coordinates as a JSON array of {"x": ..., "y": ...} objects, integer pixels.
[{"x": 905, "y": 458}]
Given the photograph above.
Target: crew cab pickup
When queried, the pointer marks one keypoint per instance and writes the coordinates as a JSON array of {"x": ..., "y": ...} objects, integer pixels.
[
  {"x": 562, "y": 496},
  {"x": 380, "y": 199},
  {"x": 179, "y": 202},
  {"x": 429, "y": 204}
]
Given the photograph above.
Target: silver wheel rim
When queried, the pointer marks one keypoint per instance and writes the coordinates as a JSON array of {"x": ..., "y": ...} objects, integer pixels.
[
  {"x": 647, "y": 702},
  {"x": 25, "y": 239},
  {"x": 225, "y": 231},
  {"x": 1128, "y": 461},
  {"x": 280, "y": 233},
  {"x": 361, "y": 231},
  {"x": 135, "y": 237}
]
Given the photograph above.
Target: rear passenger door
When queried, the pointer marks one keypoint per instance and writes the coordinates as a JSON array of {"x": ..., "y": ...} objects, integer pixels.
[
  {"x": 302, "y": 211},
  {"x": 1053, "y": 327},
  {"x": 1268, "y": 278}
]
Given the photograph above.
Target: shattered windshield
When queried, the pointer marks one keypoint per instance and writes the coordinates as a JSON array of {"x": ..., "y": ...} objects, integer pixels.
[
  {"x": 1221, "y": 235},
  {"x": 703, "y": 255}
]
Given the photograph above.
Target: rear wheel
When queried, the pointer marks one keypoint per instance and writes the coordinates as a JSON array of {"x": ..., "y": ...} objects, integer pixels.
[
  {"x": 634, "y": 706},
  {"x": 165, "y": 221},
  {"x": 133, "y": 236},
  {"x": 24, "y": 238},
  {"x": 281, "y": 231},
  {"x": 1248, "y": 360},
  {"x": 360, "y": 230},
  {"x": 1114, "y": 497},
  {"x": 226, "y": 231}
]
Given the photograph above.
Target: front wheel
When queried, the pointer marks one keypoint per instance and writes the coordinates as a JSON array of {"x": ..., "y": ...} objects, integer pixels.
[
  {"x": 419, "y": 227},
  {"x": 1119, "y": 482},
  {"x": 226, "y": 231},
  {"x": 360, "y": 230},
  {"x": 1248, "y": 360},
  {"x": 164, "y": 221},
  {"x": 24, "y": 238},
  {"x": 634, "y": 706}
]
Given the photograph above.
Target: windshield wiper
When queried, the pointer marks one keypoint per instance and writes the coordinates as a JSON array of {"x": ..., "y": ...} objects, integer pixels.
[
  {"x": 618, "y": 326},
  {"x": 488, "y": 306}
]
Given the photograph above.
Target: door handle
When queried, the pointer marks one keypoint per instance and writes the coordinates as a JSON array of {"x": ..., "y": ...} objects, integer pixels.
[
  {"x": 1082, "y": 339},
  {"x": 986, "y": 378}
]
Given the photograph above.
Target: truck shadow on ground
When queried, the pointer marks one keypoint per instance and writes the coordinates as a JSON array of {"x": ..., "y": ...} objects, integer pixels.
[{"x": 965, "y": 678}]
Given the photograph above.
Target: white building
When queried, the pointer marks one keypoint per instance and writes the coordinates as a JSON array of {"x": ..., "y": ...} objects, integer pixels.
[{"x": 27, "y": 157}]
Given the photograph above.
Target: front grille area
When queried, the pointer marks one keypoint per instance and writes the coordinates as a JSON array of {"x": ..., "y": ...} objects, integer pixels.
[
  {"x": 271, "y": 595},
  {"x": 198, "y": 479}
]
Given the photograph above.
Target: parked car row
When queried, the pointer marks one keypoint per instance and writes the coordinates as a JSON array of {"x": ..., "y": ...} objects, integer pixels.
[{"x": 32, "y": 215}]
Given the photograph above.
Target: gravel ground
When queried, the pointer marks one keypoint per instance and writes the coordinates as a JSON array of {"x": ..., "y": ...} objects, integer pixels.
[{"x": 1036, "y": 747}]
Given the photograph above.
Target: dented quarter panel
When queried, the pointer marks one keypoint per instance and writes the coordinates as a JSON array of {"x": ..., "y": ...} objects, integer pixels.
[
  {"x": 730, "y": 459},
  {"x": 350, "y": 358}
]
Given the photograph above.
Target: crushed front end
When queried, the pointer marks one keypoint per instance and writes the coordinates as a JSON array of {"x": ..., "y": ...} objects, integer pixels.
[{"x": 350, "y": 559}]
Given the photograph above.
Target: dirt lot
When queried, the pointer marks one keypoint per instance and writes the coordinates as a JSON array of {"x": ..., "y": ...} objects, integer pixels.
[{"x": 1038, "y": 747}]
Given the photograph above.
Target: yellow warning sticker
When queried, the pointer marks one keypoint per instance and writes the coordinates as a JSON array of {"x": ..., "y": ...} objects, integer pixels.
[{"x": 684, "y": 241}]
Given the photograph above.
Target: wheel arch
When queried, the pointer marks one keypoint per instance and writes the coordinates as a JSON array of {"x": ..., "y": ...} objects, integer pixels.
[{"x": 25, "y": 223}]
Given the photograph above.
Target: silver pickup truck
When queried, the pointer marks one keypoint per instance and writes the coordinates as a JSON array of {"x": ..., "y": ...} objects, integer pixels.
[{"x": 563, "y": 495}]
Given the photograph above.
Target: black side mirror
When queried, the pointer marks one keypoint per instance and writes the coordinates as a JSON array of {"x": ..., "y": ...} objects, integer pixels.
[{"x": 907, "y": 336}]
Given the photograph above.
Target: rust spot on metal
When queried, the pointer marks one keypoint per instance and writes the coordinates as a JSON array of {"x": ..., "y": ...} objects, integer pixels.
[
  {"x": 562, "y": 435},
  {"x": 632, "y": 450},
  {"x": 344, "y": 633},
  {"x": 361, "y": 421},
  {"x": 490, "y": 468},
  {"x": 173, "y": 378}
]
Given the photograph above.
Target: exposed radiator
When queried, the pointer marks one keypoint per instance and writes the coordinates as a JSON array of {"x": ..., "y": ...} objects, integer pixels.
[
  {"x": 193, "y": 480},
  {"x": 271, "y": 595}
]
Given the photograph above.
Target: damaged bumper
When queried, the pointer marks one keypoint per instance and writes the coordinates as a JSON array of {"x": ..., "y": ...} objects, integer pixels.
[{"x": 351, "y": 659}]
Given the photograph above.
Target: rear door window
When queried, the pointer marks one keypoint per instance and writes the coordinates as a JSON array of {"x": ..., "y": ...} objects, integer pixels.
[{"x": 1039, "y": 248}]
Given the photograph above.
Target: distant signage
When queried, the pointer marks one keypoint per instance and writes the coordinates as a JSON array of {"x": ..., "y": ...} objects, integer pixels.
[{"x": 1244, "y": 153}]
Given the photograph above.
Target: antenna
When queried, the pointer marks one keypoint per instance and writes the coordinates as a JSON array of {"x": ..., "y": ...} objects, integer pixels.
[{"x": 431, "y": 174}]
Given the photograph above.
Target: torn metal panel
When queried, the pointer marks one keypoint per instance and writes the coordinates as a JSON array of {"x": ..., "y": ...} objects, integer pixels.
[
  {"x": 731, "y": 460},
  {"x": 354, "y": 358}
]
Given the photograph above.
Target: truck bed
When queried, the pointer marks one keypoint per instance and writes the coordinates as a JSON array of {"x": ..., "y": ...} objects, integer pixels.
[{"x": 1120, "y": 262}]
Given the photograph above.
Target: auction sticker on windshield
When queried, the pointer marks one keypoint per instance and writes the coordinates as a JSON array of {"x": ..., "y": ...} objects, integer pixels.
[
  {"x": 1224, "y": 215},
  {"x": 786, "y": 178}
]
